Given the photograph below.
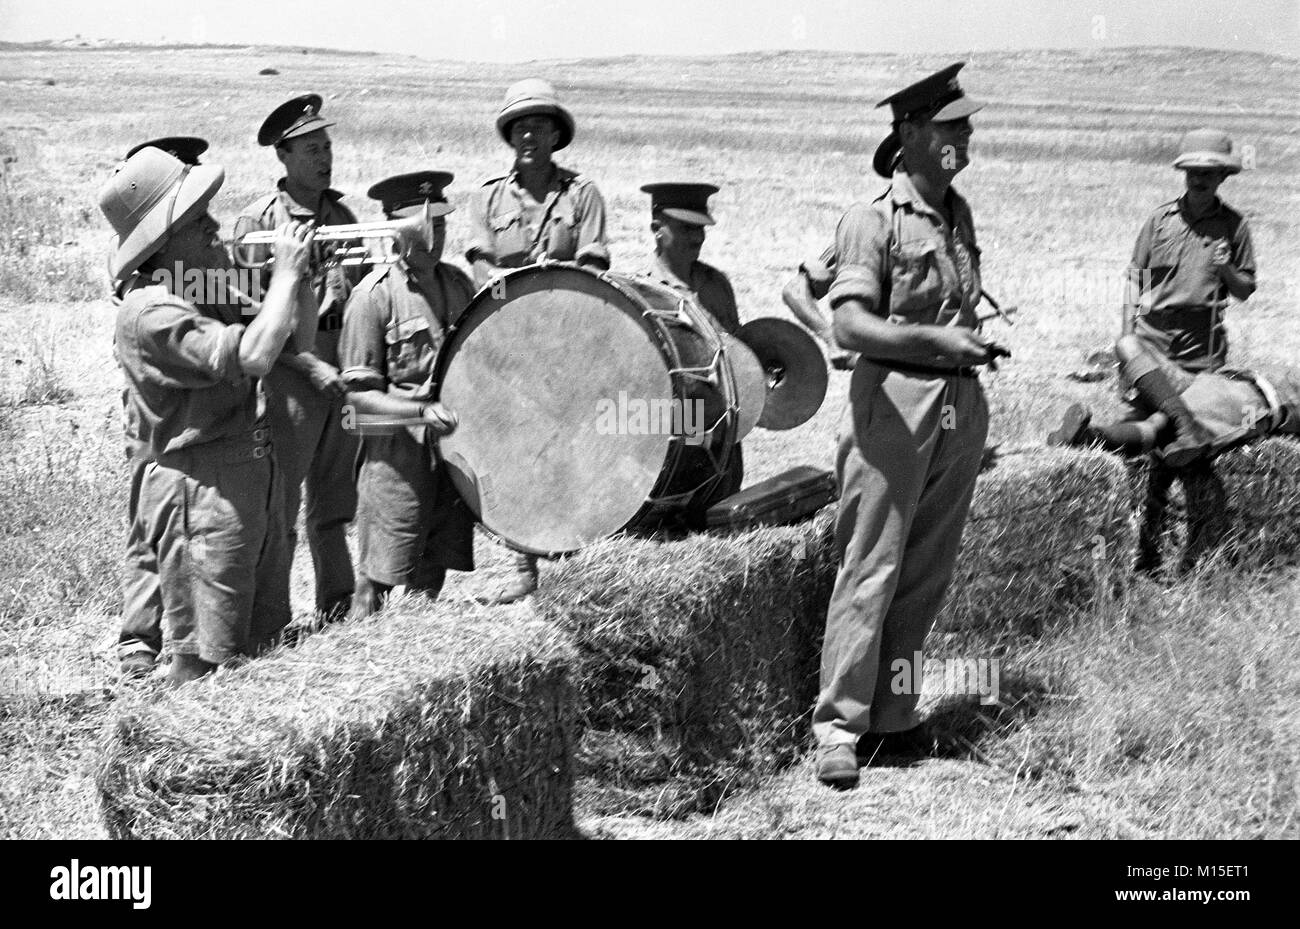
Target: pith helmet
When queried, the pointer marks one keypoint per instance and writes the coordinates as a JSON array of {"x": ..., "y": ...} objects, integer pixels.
[
  {"x": 1208, "y": 148},
  {"x": 534, "y": 95},
  {"x": 147, "y": 197}
]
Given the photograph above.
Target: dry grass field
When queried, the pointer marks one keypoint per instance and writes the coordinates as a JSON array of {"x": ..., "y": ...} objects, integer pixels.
[{"x": 1181, "y": 720}]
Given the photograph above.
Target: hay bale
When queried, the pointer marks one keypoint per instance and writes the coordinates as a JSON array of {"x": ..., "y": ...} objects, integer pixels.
[
  {"x": 1049, "y": 530},
  {"x": 1262, "y": 484},
  {"x": 432, "y": 721},
  {"x": 697, "y": 659}
]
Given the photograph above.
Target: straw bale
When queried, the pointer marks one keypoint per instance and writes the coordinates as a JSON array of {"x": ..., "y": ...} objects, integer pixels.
[
  {"x": 1049, "y": 530},
  {"x": 1262, "y": 486},
  {"x": 697, "y": 659},
  {"x": 424, "y": 721}
]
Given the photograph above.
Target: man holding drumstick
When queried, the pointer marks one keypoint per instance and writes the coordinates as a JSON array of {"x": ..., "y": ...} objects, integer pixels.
[{"x": 411, "y": 524}]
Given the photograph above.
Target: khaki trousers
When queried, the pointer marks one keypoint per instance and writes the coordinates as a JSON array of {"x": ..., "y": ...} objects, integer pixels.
[
  {"x": 313, "y": 446},
  {"x": 910, "y": 449},
  {"x": 214, "y": 518}
]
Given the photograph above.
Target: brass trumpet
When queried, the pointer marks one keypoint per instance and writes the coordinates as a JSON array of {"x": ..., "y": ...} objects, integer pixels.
[{"x": 346, "y": 245}]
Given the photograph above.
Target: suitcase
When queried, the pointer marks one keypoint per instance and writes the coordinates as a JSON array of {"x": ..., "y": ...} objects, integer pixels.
[{"x": 787, "y": 498}]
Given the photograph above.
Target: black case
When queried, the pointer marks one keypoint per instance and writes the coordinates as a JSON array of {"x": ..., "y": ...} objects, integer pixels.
[{"x": 787, "y": 498}]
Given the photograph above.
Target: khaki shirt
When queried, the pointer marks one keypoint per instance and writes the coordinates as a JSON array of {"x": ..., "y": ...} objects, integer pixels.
[
  {"x": 904, "y": 262},
  {"x": 185, "y": 386},
  {"x": 1182, "y": 296},
  {"x": 707, "y": 285},
  {"x": 510, "y": 230},
  {"x": 388, "y": 339}
]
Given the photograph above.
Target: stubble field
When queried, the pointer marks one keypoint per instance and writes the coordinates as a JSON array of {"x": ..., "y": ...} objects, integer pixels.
[{"x": 1167, "y": 735}]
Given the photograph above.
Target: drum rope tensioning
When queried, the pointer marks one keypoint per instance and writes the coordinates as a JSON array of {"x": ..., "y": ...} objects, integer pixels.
[{"x": 590, "y": 402}]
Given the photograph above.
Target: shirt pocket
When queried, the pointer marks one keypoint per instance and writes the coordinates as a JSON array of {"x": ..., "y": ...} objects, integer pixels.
[
  {"x": 1165, "y": 246},
  {"x": 411, "y": 348},
  {"x": 507, "y": 233},
  {"x": 917, "y": 281}
]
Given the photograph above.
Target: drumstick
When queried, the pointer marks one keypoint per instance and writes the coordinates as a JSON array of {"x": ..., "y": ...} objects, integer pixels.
[
  {"x": 1004, "y": 315},
  {"x": 381, "y": 423}
]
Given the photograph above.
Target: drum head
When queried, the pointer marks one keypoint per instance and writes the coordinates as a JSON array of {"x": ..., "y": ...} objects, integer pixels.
[
  {"x": 561, "y": 388},
  {"x": 751, "y": 383}
]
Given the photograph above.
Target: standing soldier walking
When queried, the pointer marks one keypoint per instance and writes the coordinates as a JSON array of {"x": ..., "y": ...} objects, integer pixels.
[
  {"x": 306, "y": 393},
  {"x": 904, "y": 295},
  {"x": 411, "y": 524},
  {"x": 537, "y": 211}
]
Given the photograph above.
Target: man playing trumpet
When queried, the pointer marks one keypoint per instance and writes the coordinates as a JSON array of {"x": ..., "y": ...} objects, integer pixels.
[
  {"x": 411, "y": 524},
  {"x": 209, "y": 505}
]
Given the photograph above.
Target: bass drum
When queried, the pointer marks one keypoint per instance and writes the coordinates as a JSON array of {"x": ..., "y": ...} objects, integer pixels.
[{"x": 588, "y": 403}]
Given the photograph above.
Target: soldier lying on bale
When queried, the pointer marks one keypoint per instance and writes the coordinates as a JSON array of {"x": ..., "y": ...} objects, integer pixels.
[{"x": 1189, "y": 418}]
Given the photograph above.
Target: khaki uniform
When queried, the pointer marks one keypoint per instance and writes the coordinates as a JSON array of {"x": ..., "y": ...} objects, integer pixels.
[
  {"x": 314, "y": 446},
  {"x": 713, "y": 292},
  {"x": 1180, "y": 309},
  {"x": 410, "y": 520},
  {"x": 208, "y": 501},
  {"x": 510, "y": 230},
  {"x": 910, "y": 447}
]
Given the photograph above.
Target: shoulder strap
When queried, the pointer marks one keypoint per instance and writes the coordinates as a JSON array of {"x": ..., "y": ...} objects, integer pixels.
[{"x": 887, "y": 286}]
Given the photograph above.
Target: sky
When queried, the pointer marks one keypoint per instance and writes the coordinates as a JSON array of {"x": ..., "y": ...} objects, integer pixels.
[{"x": 510, "y": 30}]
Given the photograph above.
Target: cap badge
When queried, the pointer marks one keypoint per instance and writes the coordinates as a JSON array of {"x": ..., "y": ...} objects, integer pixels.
[{"x": 426, "y": 188}]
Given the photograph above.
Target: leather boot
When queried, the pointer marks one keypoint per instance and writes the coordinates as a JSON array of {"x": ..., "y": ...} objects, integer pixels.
[
  {"x": 837, "y": 766},
  {"x": 1075, "y": 428},
  {"x": 186, "y": 668},
  {"x": 520, "y": 585},
  {"x": 1191, "y": 440}
]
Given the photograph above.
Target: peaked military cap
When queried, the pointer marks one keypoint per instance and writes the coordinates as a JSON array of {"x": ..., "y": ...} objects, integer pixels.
[
  {"x": 291, "y": 119},
  {"x": 687, "y": 203},
  {"x": 406, "y": 194},
  {"x": 187, "y": 148},
  {"x": 938, "y": 98}
]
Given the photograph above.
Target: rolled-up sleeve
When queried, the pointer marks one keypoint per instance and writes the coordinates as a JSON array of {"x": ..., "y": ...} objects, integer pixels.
[
  {"x": 589, "y": 216},
  {"x": 363, "y": 351},
  {"x": 1243, "y": 251},
  {"x": 482, "y": 243},
  {"x": 860, "y": 242},
  {"x": 820, "y": 272},
  {"x": 181, "y": 348},
  {"x": 1142, "y": 247}
]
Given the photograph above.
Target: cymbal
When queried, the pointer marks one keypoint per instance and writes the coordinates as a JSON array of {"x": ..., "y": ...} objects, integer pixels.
[{"x": 795, "y": 369}]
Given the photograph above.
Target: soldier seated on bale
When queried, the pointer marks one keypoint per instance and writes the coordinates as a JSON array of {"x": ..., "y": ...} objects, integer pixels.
[
  {"x": 1187, "y": 418},
  {"x": 1190, "y": 256},
  {"x": 210, "y": 500}
]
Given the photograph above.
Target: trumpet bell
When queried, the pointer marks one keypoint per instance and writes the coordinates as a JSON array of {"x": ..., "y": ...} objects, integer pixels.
[{"x": 794, "y": 371}]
